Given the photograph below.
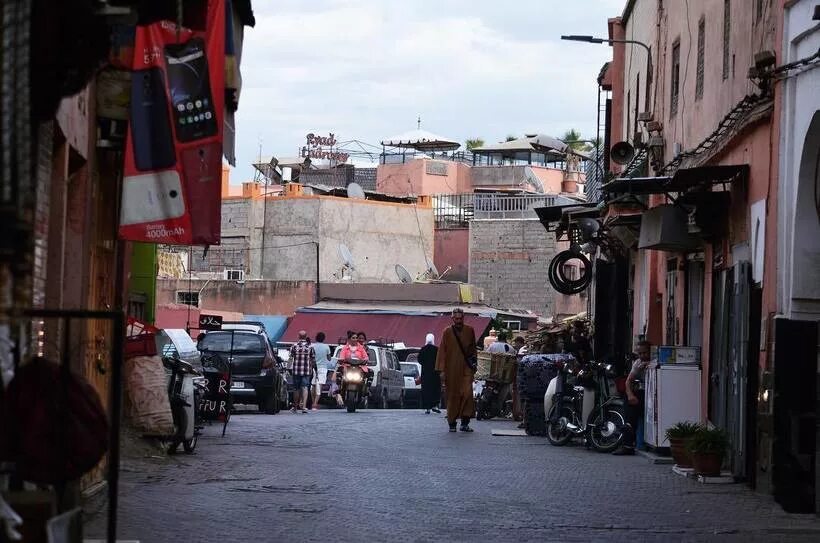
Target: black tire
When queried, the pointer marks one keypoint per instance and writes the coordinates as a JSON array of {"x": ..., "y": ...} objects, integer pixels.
[
  {"x": 351, "y": 401},
  {"x": 610, "y": 439},
  {"x": 190, "y": 444},
  {"x": 557, "y": 433},
  {"x": 270, "y": 403}
]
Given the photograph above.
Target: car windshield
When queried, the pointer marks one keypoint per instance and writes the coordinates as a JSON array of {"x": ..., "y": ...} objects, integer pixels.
[
  {"x": 371, "y": 355},
  {"x": 409, "y": 370},
  {"x": 242, "y": 343}
]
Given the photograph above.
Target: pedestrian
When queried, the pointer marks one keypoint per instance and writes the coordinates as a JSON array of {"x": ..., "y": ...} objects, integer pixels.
[
  {"x": 322, "y": 352},
  {"x": 362, "y": 337},
  {"x": 520, "y": 345},
  {"x": 430, "y": 381},
  {"x": 635, "y": 397},
  {"x": 303, "y": 366},
  {"x": 500, "y": 345},
  {"x": 491, "y": 338},
  {"x": 456, "y": 361}
]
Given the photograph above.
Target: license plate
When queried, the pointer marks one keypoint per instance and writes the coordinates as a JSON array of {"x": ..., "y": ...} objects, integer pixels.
[{"x": 238, "y": 384}]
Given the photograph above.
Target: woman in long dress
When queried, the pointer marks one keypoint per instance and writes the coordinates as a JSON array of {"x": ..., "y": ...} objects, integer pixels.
[{"x": 430, "y": 380}]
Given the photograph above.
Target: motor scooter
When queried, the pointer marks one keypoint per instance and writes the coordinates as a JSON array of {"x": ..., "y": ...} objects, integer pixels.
[
  {"x": 185, "y": 391},
  {"x": 354, "y": 379},
  {"x": 586, "y": 408}
]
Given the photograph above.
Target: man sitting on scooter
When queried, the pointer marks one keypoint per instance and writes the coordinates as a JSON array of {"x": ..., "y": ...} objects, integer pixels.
[{"x": 635, "y": 397}]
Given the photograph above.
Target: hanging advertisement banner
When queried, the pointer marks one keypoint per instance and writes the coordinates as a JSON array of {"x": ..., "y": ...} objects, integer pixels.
[{"x": 173, "y": 152}]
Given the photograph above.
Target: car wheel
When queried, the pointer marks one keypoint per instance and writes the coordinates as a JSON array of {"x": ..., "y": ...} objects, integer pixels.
[{"x": 270, "y": 403}]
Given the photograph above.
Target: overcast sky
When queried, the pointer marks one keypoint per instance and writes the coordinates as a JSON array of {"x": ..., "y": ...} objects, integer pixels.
[{"x": 366, "y": 69}]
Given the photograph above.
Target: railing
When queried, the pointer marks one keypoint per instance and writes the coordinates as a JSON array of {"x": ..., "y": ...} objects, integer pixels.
[{"x": 457, "y": 210}]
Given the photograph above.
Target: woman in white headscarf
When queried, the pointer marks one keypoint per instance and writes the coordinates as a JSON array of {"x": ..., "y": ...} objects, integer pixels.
[{"x": 430, "y": 380}]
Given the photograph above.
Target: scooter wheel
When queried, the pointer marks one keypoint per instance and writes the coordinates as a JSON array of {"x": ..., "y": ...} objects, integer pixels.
[{"x": 190, "y": 444}]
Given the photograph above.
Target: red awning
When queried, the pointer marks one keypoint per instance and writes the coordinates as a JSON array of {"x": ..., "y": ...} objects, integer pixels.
[{"x": 388, "y": 328}]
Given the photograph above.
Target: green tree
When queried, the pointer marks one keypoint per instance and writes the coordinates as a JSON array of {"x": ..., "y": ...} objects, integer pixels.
[
  {"x": 474, "y": 143},
  {"x": 574, "y": 139}
]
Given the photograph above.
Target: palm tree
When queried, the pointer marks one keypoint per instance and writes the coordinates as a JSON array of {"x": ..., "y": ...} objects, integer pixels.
[
  {"x": 575, "y": 141},
  {"x": 474, "y": 143}
]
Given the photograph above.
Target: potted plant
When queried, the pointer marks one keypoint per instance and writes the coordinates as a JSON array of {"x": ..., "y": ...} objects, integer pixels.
[
  {"x": 707, "y": 448},
  {"x": 679, "y": 436}
]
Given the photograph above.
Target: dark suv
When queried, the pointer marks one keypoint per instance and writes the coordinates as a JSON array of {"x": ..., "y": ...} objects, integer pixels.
[{"x": 257, "y": 372}]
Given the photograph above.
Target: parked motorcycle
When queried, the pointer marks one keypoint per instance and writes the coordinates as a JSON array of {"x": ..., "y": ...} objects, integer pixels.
[
  {"x": 354, "y": 379},
  {"x": 185, "y": 391},
  {"x": 586, "y": 408}
]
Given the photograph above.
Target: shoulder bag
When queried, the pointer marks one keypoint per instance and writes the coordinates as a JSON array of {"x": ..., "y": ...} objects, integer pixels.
[{"x": 471, "y": 361}]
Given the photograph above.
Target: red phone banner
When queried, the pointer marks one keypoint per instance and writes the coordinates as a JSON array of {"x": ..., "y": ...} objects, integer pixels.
[{"x": 173, "y": 150}]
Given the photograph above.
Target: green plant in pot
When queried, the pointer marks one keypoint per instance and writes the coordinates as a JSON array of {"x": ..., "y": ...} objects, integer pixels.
[
  {"x": 679, "y": 436},
  {"x": 707, "y": 448}
]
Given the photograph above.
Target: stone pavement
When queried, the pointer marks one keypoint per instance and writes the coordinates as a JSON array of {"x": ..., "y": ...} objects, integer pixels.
[{"x": 400, "y": 476}]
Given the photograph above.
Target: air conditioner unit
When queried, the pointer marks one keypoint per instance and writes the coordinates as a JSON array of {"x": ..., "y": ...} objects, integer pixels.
[{"x": 234, "y": 275}]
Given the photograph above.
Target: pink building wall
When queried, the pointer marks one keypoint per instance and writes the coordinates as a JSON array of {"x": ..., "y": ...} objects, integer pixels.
[{"x": 452, "y": 248}]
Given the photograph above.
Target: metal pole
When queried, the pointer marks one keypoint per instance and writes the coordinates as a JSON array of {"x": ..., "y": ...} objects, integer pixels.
[
  {"x": 117, "y": 348},
  {"x": 318, "y": 277}
]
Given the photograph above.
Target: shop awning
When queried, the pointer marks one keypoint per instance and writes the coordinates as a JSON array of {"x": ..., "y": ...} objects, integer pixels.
[
  {"x": 387, "y": 328},
  {"x": 683, "y": 180}
]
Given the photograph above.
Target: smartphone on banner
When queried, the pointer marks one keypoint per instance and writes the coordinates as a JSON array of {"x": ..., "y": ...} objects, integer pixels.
[
  {"x": 151, "y": 136},
  {"x": 190, "y": 88},
  {"x": 151, "y": 197}
]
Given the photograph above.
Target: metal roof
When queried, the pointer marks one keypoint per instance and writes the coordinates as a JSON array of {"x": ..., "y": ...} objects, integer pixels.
[{"x": 422, "y": 140}]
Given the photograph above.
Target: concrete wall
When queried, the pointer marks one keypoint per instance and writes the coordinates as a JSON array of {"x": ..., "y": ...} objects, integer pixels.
[
  {"x": 509, "y": 261},
  {"x": 378, "y": 234},
  {"x": 411, "y": 292},
  {"x": 452, "y": 249},
  {"x": 252, "y": 297},
  {"x": 415, "y": 177}
]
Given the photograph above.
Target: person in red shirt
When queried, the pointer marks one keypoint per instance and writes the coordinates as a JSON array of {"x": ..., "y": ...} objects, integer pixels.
[{"x": 353, "y": 348}]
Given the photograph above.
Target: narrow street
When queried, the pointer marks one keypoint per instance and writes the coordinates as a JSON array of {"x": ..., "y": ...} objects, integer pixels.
[{"x": 400, "y": 476}]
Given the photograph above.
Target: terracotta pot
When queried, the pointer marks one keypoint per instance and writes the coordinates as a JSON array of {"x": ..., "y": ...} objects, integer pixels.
[
  {"x": 707, "y": 464},
  {"x": 677, "y": 445}
]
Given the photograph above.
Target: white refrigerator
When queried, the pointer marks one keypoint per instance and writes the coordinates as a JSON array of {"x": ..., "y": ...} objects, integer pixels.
[{"x": 672, "y": 396}]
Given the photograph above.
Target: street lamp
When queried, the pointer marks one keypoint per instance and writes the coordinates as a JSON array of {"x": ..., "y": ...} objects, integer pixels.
[{"x": 591, "y": 39}]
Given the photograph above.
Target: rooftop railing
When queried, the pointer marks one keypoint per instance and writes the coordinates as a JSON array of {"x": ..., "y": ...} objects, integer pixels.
[{"x": 453, "y": 211}]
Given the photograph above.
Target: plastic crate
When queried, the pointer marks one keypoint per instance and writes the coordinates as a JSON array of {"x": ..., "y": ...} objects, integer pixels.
[{"x": 141, "y": 338}]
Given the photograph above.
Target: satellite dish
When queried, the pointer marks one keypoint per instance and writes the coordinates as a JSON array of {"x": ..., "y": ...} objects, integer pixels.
[
  {"x": 346, "y": 255},
  {"x": 404, "y": 275},
  {"x": 433, "y": 271},
  {"x": 622, "y": 152},
  {"x": 354, "y": 190}
]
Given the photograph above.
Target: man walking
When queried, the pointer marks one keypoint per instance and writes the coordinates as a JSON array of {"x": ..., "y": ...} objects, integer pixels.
[
  {"x": 303, "y": 359},
  {"x": 322, "y": 352},
  {"x": 455, "y": 362}
]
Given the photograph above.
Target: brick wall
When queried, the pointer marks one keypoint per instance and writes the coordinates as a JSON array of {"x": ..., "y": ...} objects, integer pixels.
[{"x": 509, "y": 260}]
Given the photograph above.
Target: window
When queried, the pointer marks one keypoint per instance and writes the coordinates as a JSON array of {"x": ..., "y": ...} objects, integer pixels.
[
  {"x": 727, "y": 30},
  {"x": 234, "y": 275},
  {"x": 514, "y": 326},
  {"x": 701, "y": 52},
  {"x": 675, "y": 83},
  {"x": 221, "y": 342},
  {"x": 188, "y": 298}
]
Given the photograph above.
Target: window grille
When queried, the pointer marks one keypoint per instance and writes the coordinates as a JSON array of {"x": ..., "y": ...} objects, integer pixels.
[{"x": 701, "y": 59}]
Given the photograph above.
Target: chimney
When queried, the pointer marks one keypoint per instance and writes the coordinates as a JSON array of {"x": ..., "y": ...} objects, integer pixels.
[{"x": 570, "y": 182}]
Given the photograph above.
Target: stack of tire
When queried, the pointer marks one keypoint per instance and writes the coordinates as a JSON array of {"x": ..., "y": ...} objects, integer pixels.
[{"x": 535, "y": 372}]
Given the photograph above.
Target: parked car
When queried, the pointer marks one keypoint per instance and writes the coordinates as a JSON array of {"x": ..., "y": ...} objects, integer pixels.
[
  {"x": 412, "y": 381},
  {"x": 257, "y": 373},
  {"x": 388, "y": 382}
]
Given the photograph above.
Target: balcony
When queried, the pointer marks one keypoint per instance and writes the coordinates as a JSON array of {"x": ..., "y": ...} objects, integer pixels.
[{"x": 453, "y": 211}]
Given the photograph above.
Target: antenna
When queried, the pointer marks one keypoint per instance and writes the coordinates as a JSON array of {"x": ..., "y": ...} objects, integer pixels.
[
  {"x": 347, "y": 256},
  {"x": 354, "y": 190},
  {"x": 404, "y": 275}
]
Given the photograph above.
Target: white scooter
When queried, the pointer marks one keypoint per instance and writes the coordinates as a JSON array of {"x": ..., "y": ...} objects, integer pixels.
[{"x": 185, "y": 390}]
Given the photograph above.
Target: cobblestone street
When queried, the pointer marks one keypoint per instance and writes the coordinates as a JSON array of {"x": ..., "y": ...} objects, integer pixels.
[{"x": 400, "y": 476}]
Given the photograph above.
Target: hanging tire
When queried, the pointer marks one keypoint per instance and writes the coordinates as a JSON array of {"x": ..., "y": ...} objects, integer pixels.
[
  {"x": 557, "y": 432},
  {"x": 606, "y": 435}
]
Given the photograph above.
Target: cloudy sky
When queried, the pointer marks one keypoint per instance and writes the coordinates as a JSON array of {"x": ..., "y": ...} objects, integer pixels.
[{"x": 366, "y": 69}]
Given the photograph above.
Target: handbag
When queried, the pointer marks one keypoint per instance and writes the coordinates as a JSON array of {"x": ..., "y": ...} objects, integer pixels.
[{"x": 471, "y": 361}]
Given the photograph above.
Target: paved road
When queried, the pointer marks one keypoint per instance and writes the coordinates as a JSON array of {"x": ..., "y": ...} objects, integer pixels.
[{"x": 400, "y": 476}]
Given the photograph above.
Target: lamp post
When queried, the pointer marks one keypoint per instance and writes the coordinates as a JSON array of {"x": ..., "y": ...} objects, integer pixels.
[{"x": 591, "y": 39}]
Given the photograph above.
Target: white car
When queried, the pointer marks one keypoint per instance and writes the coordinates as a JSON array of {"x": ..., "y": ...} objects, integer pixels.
[{"x": 411, "y": 370}]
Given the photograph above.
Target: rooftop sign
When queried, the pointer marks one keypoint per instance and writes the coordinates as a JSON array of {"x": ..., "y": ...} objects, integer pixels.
[{"x": 321, "y": 147}]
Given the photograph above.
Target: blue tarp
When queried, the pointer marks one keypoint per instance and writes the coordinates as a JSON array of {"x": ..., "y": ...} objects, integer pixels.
[{"x": 275, "y": 325}]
